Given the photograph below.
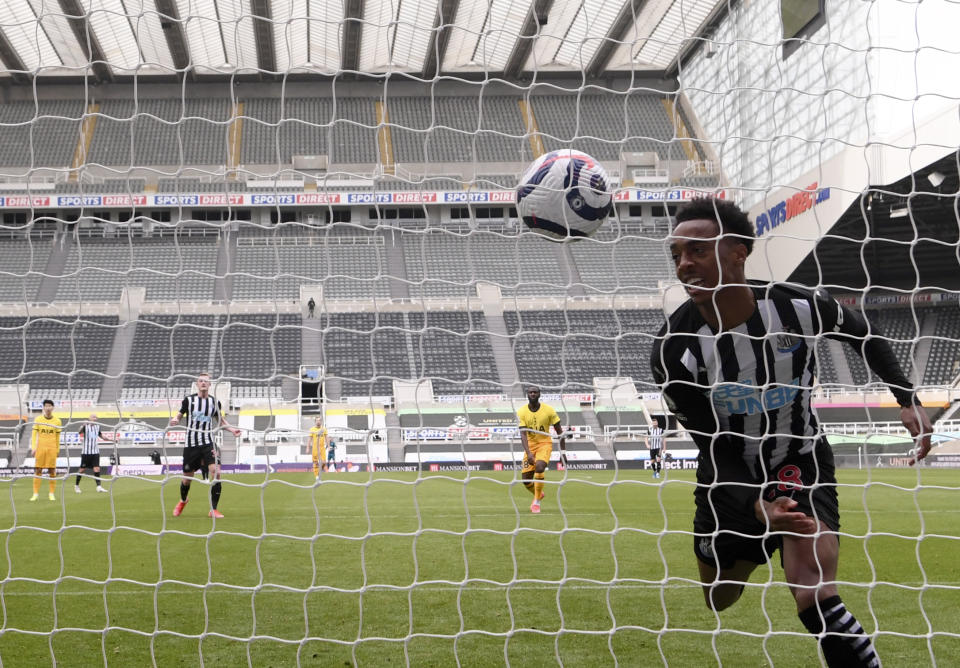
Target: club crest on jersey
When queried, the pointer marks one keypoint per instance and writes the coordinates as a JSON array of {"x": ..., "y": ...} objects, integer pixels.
[
  {"x": 787, "y": 341},
  {"x": 706, "y": 547}
]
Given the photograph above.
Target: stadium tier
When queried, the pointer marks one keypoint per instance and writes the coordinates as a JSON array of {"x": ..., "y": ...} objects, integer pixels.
[
  {"x": 42, "y": 133},
  {"x": 458, "y": 130},
  {"x": 568, "y": 349},
  {"x": 161, "y": 132},
  {"x": 97, "y": 268},
  {"x": 56, "y": 352},
  {"x": 205, "y": 132},
  {"x": 606, "y": 125},
  {"x": 274, "y": 130}
]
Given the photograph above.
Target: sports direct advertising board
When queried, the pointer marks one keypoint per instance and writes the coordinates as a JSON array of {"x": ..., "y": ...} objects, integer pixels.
[{"x": 428, "y": 198}]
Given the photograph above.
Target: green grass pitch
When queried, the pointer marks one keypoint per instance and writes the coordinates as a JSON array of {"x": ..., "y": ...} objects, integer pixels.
[{"x": 431, "y": 570}]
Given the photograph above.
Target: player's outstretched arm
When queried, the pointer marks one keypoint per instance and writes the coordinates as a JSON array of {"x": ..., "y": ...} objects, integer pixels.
[
  {"x": 917, "y": 422},
  {"x": 229, "y": 427}
]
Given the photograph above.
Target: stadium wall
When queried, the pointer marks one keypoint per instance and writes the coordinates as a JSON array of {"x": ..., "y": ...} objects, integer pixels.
[{"x": 857, "y": 105}]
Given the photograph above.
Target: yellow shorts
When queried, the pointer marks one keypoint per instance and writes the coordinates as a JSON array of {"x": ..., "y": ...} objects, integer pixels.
[
  {"x": 541, "y": 453},
  {"x": 46, "y": 458}
]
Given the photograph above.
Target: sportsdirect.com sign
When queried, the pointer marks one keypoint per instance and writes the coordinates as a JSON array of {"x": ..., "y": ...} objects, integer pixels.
[
  {"x": 790, "y": 208},
  {"x": 296, "y": 199}
]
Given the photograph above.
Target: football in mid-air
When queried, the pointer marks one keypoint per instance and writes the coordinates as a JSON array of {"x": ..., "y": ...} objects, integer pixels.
[{"x": 564, "y": 194}]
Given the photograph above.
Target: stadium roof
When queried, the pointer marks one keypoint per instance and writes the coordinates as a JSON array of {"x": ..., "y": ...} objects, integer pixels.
[
  {"x": 901, "y": 236},
  {"x": 157, "y": 38}
]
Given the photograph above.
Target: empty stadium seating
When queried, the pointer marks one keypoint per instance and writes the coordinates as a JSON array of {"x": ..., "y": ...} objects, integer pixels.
[
  {"x": 257, "y": 350},
  {"x": 458, "y": 129},
  {"x": 898, "y": 327},
  {"x": 171, "y": 132},
  {"x": 943, "y": 364},
  {"x": 56, "y": 353},
  {"x": 367, "y": 351},
  {"x": 41, "y": 133},
  {"x": 606, "y": 125},
  {"x": 189, "y": 185},
  {"x": 826, "y": 370},
  {"x": 22, "y": 267},
  {"x": 442, "y": 263},
  {"x": 348, "y": 262},
  {"x": 179, "y": 267},
  {"x": 453, "y": 349},
  {"x": 275, "y": 130},
  {"x": 171, "y": 350},
  {"x": 621, "y": 261},
  {"x": 567, "y": 349}
]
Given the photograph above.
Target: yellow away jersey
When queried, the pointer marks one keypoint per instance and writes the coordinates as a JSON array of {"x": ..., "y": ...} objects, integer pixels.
[
  {"x": 318, "y": 438},
  {"x": 46, "y": 433},
  {"x": 543, "y": 420}
]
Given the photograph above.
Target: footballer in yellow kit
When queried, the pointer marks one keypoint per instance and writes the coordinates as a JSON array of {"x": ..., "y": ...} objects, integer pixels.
[
  {"x": 536, "y": 419},
  {"x": 45, "y": 446},
  {"x": 318, "y": 443}
]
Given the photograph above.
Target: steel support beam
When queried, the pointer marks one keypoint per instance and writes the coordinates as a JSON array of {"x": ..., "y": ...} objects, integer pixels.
[
  {"x": 11, "y": 60},
  {"x": 175, "y": 35},
  {"x": 624, "y": 21},
  {"x": 263, "y": 34},
  {"x": 536, "y": 17},
  {"x": 352, "y": 30},
  {"x": 79, "y": 22},
  {"x": 440, "y": 37}
]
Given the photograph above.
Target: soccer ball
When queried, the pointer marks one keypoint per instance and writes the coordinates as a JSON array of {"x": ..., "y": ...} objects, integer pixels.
[{"x": 564, "y": 194}]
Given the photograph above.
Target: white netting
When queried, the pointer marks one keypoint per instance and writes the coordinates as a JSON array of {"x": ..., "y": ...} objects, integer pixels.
[{"x": 314, "y": 203}]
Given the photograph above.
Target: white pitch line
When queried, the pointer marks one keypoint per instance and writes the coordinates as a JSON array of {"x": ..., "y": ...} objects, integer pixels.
[{"x": 221, "y": 588}]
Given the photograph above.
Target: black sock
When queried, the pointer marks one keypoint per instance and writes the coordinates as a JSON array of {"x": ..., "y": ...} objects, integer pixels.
[
  {"x": 184, "y": 490},
  {"x": 845, "y": 643},
  {"x": 96, "y": 477},
  {"x": 78, "y": 478},
  {"x": 215, "y": 495}
]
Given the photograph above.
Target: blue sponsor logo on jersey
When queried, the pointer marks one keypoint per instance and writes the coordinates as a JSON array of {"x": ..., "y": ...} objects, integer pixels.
[
  {"x": 200, "y": 419},
  {"x": 744, "y": 398}
]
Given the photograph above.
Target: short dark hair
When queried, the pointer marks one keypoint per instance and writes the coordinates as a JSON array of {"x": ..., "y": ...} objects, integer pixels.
[
  {"x": 48, "y": 401},
  {"x": 730, "y": 217}
]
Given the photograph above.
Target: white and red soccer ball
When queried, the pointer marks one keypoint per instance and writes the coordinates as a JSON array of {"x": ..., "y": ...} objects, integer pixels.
[{"x": 564, "y": 194}]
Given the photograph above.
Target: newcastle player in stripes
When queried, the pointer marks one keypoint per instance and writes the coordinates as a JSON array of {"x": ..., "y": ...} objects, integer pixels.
[
  {"x": 736, "y": 364},
  {"x": 90, "y": 451},
  {"x": 204, "y": 417},
  {"x": 655, "y": 444}
]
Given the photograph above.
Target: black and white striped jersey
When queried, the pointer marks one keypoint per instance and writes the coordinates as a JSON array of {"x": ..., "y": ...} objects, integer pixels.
[
  {"x": 203, "y": 419},
  {"x": 744, "y": 393},
  {"x": 90, "y": 438},
  {"x": 655, "y": 439}
]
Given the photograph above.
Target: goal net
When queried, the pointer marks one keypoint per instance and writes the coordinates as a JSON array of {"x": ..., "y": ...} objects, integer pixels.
[{"x": 315, "y": 204}]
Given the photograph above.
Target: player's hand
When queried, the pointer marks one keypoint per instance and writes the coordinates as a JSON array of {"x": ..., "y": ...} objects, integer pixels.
[
  {"x": 917, "y": 422},
  {"x": 779, "y": 515},
  {"x": 174, "y": 421},
  {"x": 234, "y": 431}
]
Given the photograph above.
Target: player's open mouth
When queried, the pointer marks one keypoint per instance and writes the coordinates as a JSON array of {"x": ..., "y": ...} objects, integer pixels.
[{"x": 694, "y": 284}]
